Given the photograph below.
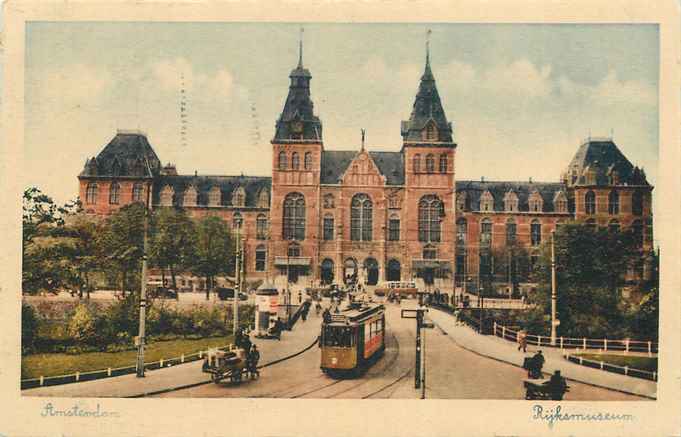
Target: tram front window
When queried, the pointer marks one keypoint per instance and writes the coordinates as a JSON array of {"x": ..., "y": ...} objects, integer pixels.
[{"x": 338, "y": 336}]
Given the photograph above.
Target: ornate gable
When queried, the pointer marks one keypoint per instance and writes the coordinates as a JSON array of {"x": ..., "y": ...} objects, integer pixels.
[{"x": 363, "y": 171}]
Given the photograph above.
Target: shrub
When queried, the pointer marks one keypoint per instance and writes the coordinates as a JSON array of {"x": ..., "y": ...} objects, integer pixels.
[{"x": 82, "y": 327}]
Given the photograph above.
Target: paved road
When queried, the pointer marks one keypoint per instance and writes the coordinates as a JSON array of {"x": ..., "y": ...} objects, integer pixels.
[{"x": 451, "y": 372}]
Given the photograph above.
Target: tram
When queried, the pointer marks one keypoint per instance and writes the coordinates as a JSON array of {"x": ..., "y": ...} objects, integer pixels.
[{"x": 352, "y": 339}]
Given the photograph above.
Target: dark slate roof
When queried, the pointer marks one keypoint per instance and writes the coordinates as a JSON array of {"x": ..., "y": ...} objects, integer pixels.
[
  {"x": 603, "y": 156},
  {"x": 252, "y": 186},
  {"x": 335, "y": 162},
  {"x": 298, "y": 108},
  {"x": 127, "y": 154},
  {"x": 474, "y": 190},
  {"x": 427, "y": 106}
]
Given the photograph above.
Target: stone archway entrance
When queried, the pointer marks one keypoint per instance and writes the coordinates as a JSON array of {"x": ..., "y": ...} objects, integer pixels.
[
  {"x": 372, "y": 270},
  {"x": 349, "y": 270},
  {"x": 326, "y": 274},
  {"x": 393, "y": 271}
]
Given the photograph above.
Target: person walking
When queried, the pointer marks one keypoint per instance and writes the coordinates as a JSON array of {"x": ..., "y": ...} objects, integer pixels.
[
  {"x": 521, "y": 337},
  {"x": 252, "y": 361}
]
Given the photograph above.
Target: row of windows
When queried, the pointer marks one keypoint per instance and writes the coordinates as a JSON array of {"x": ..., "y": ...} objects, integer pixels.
[
  {"x": 430, "y": 214},
  {"x": 92, "y": 193},
  {"x": 535, "y": 230},
  {"x": 535, "y": 202},
  {"x": 430, "y": 163},
  {"x": 613, "y": 203},
  {"x": 295, "y": 161},
  {"x": 190, "y": 197}
]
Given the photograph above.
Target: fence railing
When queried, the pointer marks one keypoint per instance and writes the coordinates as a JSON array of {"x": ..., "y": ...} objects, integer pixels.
[
  {"x": 44, "y": 381},
  {"x": 609, "y": 367},
  {"x": 623, "y": 345}
]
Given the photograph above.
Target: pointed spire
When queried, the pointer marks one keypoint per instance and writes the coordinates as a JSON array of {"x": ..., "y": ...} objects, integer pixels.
[
  {"x": 427, "y": 72},
  {"x": 363, "y": 133},
  {"x": 300, "y": 48}
]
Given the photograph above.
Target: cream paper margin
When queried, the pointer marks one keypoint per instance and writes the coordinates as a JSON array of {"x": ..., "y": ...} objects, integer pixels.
[{"x": 20, "y": 416}]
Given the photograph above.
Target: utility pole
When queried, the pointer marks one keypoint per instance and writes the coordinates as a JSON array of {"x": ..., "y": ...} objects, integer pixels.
[
  {"x": 554, "y": 322},
  {"x": 143, "y": 289},
  {"x": 419, "y": 365}
]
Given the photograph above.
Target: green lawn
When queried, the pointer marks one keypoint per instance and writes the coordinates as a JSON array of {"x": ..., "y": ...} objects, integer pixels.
[
  {"x": 34, "y": 366},
  {"x": 635, "y": 362}
]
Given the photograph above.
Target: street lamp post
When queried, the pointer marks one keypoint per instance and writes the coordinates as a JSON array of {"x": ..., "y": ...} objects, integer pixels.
[
  {"x": 143, "y": 289},
  {"x": 554, "y": 322},
  {"x": 237, "y": 275}
]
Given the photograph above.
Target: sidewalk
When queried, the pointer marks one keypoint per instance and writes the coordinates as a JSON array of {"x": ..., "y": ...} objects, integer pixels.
[
  {"x": 302, "y": 335},
  {"x": 502, "y": 350}
]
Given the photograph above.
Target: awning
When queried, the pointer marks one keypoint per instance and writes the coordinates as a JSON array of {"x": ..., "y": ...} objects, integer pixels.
[{"x": 283, "y": 261}]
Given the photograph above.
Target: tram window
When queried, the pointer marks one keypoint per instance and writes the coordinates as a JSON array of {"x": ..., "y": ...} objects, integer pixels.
[{"x": 338, "y": 337}]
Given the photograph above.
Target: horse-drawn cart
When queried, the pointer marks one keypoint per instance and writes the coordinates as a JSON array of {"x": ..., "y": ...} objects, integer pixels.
[
  {"x": 225, "y": 364},
  {"x": 545, "y": 389}
]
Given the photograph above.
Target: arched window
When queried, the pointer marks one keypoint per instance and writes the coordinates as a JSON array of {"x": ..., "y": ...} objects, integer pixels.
[
  {"x": 637, "y": 203},
  {"x": 260, "y": 258},
  {"x": 430, "y": 215},
  {"x": 535, "y": 232},
  {"x": 283, "y": 161},
  {"x": 417, "y": 163},
  {"x": 430, "y": 163},
  {"x": 614, "y": 203},
  {"x": 637, "y": 227},
  {"x": 294, "y": 217},
  {"x": 394, "y": 228},
  {"x": 295, "y": 161},
  {"x": 429, "y": 252},
  {"x": 137, "y": 192},
  {"x": 328, "y": 227},
  {"x": 486, "y": 232},
  {"x": 308, "y": 160},
  {"x": 461, "y": 231},
  {"x": 443, "y": 163},
  {"x": 510, "y": 232},
  {"x": 237, "y": 221},
  {"x": 590, "y": 202},
  {"x": 614, "y": 226},
  {"x": 91, "y": 193},
  {"x": 361, "y": 218},
  {"x": 114, "y": 193},
  {"x": 261, "y": 227}
]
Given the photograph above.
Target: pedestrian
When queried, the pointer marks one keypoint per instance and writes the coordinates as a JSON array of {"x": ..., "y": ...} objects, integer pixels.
[
  {"x": 537, "y": 364},
  {"x": 326, "y": 315},
  {"x": 521, "y": 337},
  {"x": 252, "y": 361},
  {"x": 300, "y": 297},
  {"x": 457, "y": 316}
]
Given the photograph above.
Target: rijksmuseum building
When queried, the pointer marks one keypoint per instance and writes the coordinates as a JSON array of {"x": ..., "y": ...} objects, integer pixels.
[{"x": 399, "y": 215}]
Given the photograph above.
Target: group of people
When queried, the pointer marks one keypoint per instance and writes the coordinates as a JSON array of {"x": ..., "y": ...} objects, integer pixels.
[{"x": 242, "y": 340}]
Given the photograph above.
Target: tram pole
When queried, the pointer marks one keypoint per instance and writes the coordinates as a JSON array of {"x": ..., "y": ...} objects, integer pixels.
[
  {"x": 237, "y": 286},
  {"x": 417, "y": 365}
]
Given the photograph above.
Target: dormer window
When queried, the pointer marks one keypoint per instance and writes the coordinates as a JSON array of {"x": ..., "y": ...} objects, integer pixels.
[
  {"x": 461, "y": 201},
  {"x": 486, "y": 201},
  {"x": 560, "y": 202},
  {"x": 167, "y": 196},
  {"x": 511, "y": 201},
  {"x": 264, "y": 199},
  {"x": 239, "y": 198},
  {"x": 214, "y": 196},
  {"x": 430, "y": 133},
  {"x": 536, "y": 202},
  {"x": 190, "y": 196}
]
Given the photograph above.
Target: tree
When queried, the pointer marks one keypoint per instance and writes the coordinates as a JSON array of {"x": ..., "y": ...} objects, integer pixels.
[
  {"x": 122, "y": 242},
  {"x": 591, "y": 266},
  {"x": 29, "y": 327},
  {"x": 44, "y": 253},
  {"x": 82, "y": 327},
  {"x": 214, "y": 250},
  {"x": 173, "y": 242}
]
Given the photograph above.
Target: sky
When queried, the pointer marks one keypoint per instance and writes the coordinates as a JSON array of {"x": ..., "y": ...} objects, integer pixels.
[{"x": 521, "y": 98}]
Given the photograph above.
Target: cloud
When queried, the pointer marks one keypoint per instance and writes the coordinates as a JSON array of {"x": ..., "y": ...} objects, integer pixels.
[{"x": 72, "y": 85}]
